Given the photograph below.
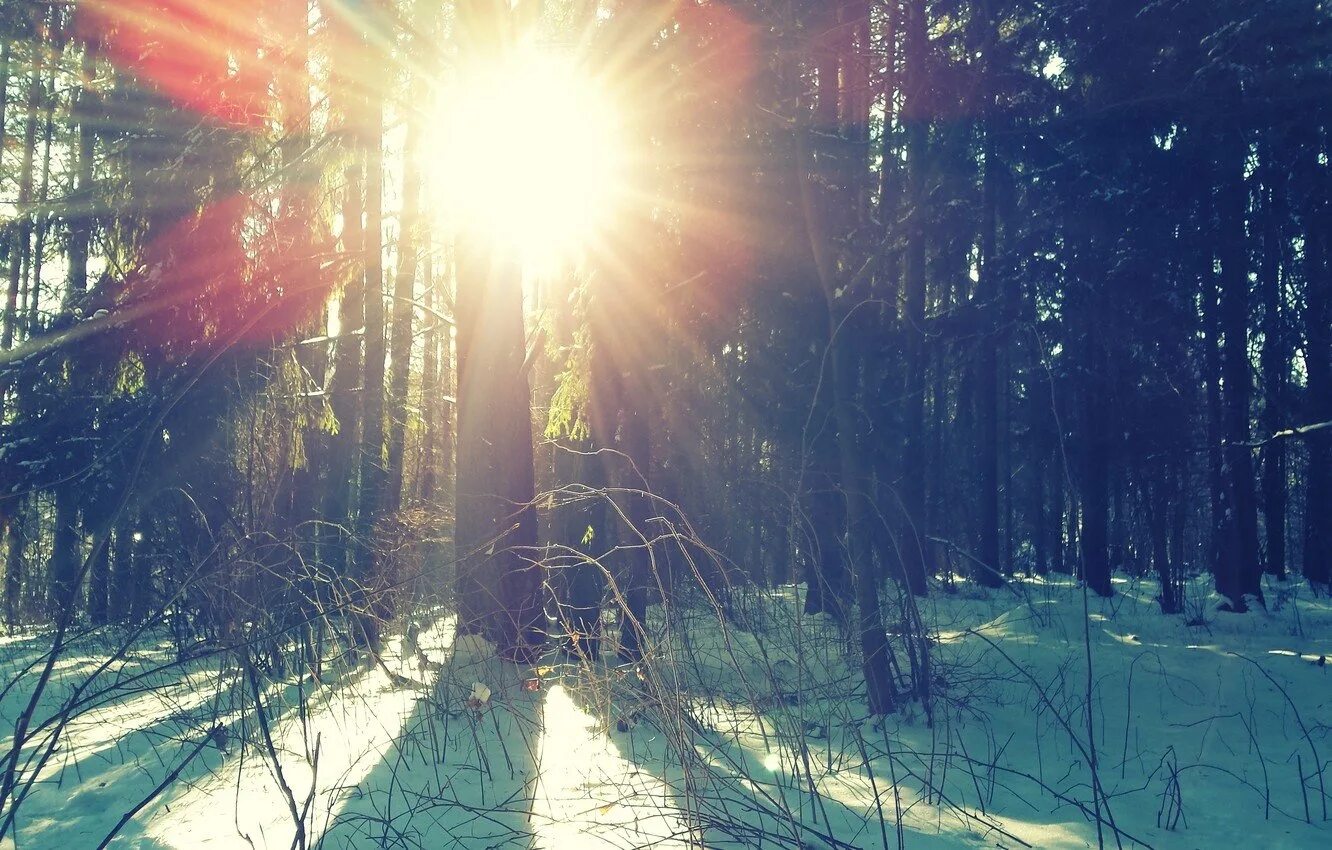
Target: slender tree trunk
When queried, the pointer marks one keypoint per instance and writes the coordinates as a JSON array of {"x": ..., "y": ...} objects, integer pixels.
[
  {"x": 86, "y": 109},
  {"x": 1040, "y": 512},
  {"x": 343, "y": 384},
  {"x": 636, "y": 575},
  {"x": 19, "y": 251},
  {"x": 781, "y": 546},
  {"x": 43, "y": 216},
  {"x": 581, "y": 530},
  {"x": 146, "y": 548},
  {"x": 915, "y": 115},
  {"x": 99, "y": 587},
  {"x": 1158, "y": 522},
  {"x": 404, "y": 289},
  {"x": 828, "y": 577},
  {"x": 122, "y": 570},
  {"x": 373, "y": 475},
  {"x": 1058, "y": 560},
  {"x": 66, "y": 554},
  {"x": 1239, "y": 571},
  {"x": 6, "y": 51},
  {"x": 875, "y": 652},
  {"x": 16, "y": 543},
  {"x": 291, "y": 86},
  {"x": 1317, "y": 215},
  {"x": 987, "y": 291},
  {"x": 1094, "y": 555},
  {"x": 1210, "y": 316},
  {"x": 374, "y": 606},
  {"x": 1276, "y": 370},
  {"x": 851, "y": 467},
  {"x": 432, "y": 405}
]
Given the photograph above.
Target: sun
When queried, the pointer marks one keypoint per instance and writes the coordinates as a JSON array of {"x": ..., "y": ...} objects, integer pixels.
[{"x": 531, "y": 156}]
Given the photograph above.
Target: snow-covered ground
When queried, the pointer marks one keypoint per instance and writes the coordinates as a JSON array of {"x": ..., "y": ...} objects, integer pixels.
[{"x": 744, "y": 733}]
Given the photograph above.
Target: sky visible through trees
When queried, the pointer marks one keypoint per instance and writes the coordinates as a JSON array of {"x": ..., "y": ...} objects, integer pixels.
[{"x": 807, "y": 392}]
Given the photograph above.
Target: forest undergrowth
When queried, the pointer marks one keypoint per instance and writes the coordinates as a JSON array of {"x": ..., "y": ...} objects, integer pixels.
[{"x": 744, "y": 725}]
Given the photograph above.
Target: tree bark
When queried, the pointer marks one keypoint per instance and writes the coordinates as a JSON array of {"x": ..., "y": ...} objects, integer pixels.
[
  {"x": 499, "y": 575},
  {"x": 373, "y": 475},
  {"x": 404, "y": 287},
  {"x": 1275, "y": 364},
  {"x": 1239, "y": 571},
  {"x": 19, "y": 250},
  {"x": 345, "y": 379},
  {"x": 122, "y": 570},
  {"x": 916, "y": 118},
  {"x": 16, "y": 542},
  {"x": 1317, "y": 215},
  {"x": 80, "y": 220},
  {"x": 987, "y": 292}
]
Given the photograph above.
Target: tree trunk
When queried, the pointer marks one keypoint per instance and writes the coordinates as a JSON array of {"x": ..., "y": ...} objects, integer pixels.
[
  {"x": 19, "y": 251},
  {"x": 6, "y": 51},
  {"x": 404, "y": 290},
  {"x": 499, "y": 577},
  {"x": 636, "y": 574},
  {"x": 875, "y": 652},
  {"x": 343, "y": 383},
  {"x": 916, "y": 118},
  {"x": 373, "y": 475},
  {"x": 16, "y": 542},
  {"x": 1239, "y": 571},
  {"x": 291, "y": 85},
  {"x": 1040, "y": 512},
  {"x": 435, "y": 369},
  {"x": 496, "y": 516},
  {"x": 122, "y": 570},
  {"x": 987, "y": 293},
  {"x": 1317, "y": 214},
  {"x": 99, "y": 585},
  {"x": 43, "y": 195},
  {"x": 1276, "y": 370},
  {"x": 80, "y": 221},
  {"x": 1158, "y": 522},
  {"x": 1058, "y": 558},
  {"x": 1093, "y": 551}
]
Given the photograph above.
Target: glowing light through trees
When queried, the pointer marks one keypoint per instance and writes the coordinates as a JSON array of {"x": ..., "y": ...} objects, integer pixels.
[{"x": 531, "y": 155}]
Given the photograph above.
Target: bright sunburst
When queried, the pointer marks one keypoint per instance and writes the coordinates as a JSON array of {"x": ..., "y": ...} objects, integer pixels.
[{"x": 531, "y": 156}]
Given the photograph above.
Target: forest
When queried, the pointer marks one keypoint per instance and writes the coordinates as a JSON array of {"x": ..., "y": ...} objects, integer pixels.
[{"x": 791, "y": 424}]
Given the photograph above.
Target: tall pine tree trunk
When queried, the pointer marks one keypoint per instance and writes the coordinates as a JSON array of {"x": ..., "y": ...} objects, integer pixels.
[
  {"x": 1238, "y": 570},
  {"x": 22, "y": 229},
  {"x": 916, "y": 117},
  {"x": 499, "y": 576},
  {"x": 373, "y": 475},
  {"x": 1276, "y": 369},
  {"x": 987, "y": 292},
  {"x": 404, "y": 282},
  {"x": 345, "y": 381},
  {"x": 436, "y": 366},
  {"x": 16, "y": 543},
  {"x": 1317, "y": 215}
]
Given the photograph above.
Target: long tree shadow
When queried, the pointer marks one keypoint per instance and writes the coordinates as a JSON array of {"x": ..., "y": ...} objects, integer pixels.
[
  {"x": 324, "y": 748},
  {"x": 700, "y": 771},
  {"x": 147, "y": 721},
  {"x": 126, "y": 729},
  {"x": 461, "y": 770}
]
